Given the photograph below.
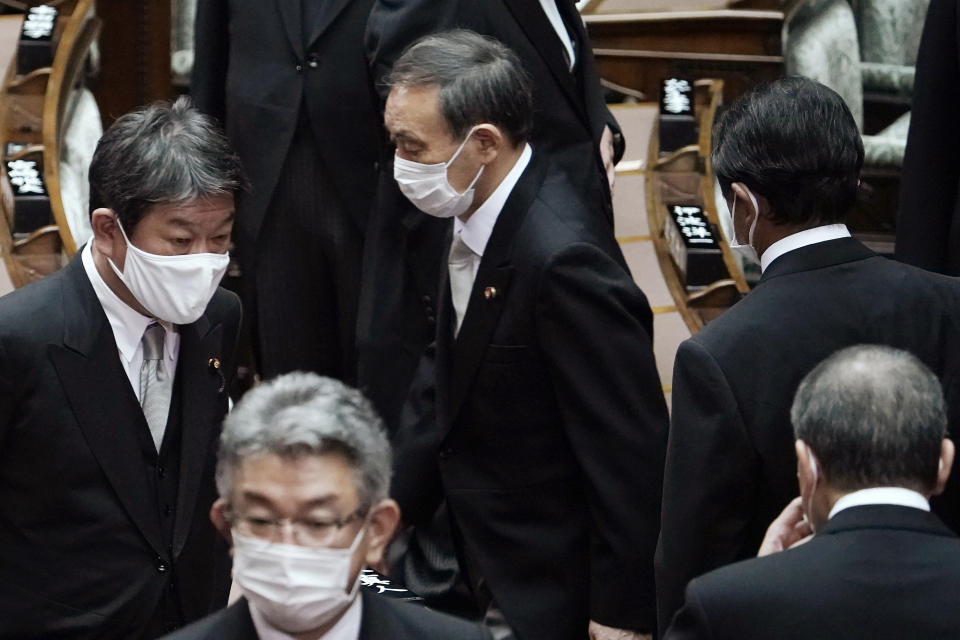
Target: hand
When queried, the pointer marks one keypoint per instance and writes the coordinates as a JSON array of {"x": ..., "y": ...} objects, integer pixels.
[
  {"x": 789, "y": 529},
  {"x": 598, "y": 631},
  {"x": 606, "y": 154}
]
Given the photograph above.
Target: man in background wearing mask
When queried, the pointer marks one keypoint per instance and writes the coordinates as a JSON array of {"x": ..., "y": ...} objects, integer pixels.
[
  {"x": 112, "y": 389},
  {"x": 303, "y": 475},
  {"x": 788, "y": 157},
  {"x": 871, "y": 447},
  {"x": 551, "y": 424}
]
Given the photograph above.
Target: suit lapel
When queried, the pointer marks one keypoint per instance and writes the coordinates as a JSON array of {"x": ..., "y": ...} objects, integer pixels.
[
  {"x": 290, "y": 14},
  {"x": 103, "y": 403},
  {"x": 201, "y": 392},
  {"x": 491, "y": 289},
  {"x": 531, "y": 18},
  {"x": 330, "y": 12}
]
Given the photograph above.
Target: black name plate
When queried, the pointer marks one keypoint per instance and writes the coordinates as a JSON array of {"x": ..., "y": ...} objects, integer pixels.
[
  {"x": 678, "y": 123},
  {"x": 31, "y": 202},
  {"x": 36, "y": 39},
  {"x": 692, "y": 242}
]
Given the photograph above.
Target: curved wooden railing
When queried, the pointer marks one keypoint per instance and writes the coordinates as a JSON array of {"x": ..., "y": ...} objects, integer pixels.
[
  {"x": 34, "y": 109},
  {"x": 685, "y": 176}
]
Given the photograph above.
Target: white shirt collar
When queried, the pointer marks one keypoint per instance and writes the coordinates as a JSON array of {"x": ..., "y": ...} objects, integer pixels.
[
  {"x": 476, "y": 231},
  {"x": 127, "y": 323},
  {"x": 346, "y": 628},
  {"x": 898, "y": 496},
  {"x": 802, "y": 239}
]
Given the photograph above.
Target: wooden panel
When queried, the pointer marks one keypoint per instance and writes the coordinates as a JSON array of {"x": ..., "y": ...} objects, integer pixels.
[
  {"x": 135, "y": 55},
  {"x": 638, "y": 50}
]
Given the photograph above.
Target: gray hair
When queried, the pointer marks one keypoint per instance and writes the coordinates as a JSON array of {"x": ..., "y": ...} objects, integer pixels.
[
  {"x": 480, "y": 80},
  {"x": 303, "y": 414},
  {"x": 874, "y": 416},
  {"x": 161, "y": 153}
]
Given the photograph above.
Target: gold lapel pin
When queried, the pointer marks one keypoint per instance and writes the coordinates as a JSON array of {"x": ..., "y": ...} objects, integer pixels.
[
  {"x": 490, "y": 293},
  {"x": 213, "y": 364}
]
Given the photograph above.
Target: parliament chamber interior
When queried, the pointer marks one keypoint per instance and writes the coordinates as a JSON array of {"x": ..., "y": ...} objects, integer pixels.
[{"x": 57, "y": 101}]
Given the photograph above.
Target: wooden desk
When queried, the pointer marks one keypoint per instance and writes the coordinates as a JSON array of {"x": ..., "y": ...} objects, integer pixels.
[{"x": 639, "y": 49}]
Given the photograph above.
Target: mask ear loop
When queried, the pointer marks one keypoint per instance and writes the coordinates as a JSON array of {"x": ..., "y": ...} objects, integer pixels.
[{"x": 457, "y": 153}]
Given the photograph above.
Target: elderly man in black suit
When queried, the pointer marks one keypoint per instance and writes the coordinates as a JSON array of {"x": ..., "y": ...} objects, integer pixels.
[
  {"x": 304, "y": 475},
  {"x": 788, "y": 158},
  {"x": 551, "y": 425},
  {"x": 289, "y": 81},
  {"x": 871, "y": 448},
  {"x": 403, "y": 254},
  {"x": 112, "y": 388}
]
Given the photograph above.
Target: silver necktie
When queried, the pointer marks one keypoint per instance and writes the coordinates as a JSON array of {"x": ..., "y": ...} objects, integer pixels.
[
  {"x": 155, "y": 383},
  {"x": 460, "y": 264}
]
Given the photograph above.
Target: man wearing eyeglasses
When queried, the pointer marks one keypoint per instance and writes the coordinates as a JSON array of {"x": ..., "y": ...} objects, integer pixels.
[{"x": 303, "y": 476}]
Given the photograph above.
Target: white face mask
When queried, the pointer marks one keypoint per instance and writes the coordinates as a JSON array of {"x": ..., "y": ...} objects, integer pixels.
[
  {"x": 172, "y": 288},
  {"x": 427, "y": 187},
  {"x": 734, "y": 243},
  {"x": 294, "y": 588}
]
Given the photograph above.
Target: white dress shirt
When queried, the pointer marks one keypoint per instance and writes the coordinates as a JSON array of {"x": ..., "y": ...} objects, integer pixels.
[
  {"x": 346, "y": 628},
  {"x": 802, "y": 239},
  {"x": 475, "y": 232},
  {"x": 128, "y": 326},
  {"x": 881, "y": 495},
  {"x": 556, "y": 21}
]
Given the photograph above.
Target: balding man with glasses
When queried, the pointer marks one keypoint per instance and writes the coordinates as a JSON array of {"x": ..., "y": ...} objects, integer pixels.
[{"x": 303, "y": 476}]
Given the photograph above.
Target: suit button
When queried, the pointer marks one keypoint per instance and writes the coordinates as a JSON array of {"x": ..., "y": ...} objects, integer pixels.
[
  {"x": 299, "y": 68},
  {"x": 161, "y": 565},
  {"x": 313, "y": 62},
  {"x": 161, "y": 472},
  {"x": 427, "y": 300},
  {"x": 167, "y": 510},
  {"x": 431, "y": 319}
]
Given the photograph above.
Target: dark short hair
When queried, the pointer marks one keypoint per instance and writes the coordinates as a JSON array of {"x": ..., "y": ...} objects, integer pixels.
[
  {"x": 795, "y": 142},
  {"x": 874, "y": 416},
  {"x": 480, "y": 80},
  {"x": 161, "y": 153}
]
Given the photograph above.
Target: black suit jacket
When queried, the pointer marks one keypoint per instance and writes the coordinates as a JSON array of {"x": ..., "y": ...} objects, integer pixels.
[
  {"x": 874, "y": 572},
  {"x": 403, "y": 251},
  {"x": 928, "y": 221},
  {"x": 254, "y": 73},
  {"x": 83, "y": 548},
  {"x": 551, "y": 424},
  {"x": 382, "y": 619},
  {"x": 731, "y": 466}
]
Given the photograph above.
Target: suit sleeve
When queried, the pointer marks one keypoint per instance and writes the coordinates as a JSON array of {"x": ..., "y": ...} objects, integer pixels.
[
  {"x": 416, "y": 477},
  {"x": 595, "y": 328},
  {"x": 212, "y": 47},
  {"x": 691, "y": 622},
  {"x": 709, "y": 480},
  {"x": 931, "y": 169},
  {"x": 395, "y": 24}
]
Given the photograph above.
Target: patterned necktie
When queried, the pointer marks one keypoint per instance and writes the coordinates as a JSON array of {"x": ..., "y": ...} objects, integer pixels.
[
  {"x": 155, "y": 383},
  {"x": 460, "y": 264}
]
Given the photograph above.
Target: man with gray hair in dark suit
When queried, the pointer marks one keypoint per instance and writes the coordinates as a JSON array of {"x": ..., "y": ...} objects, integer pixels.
[
  {"x": 303, "y": 475},
  {"x": 870, "y": 425}
]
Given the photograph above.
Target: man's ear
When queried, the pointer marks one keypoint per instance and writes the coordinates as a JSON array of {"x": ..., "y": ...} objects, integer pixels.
[
  {"x": 218, "y": 516},
  {"x": 492, "y": 142},
  {"x": 106, "y": 232},
  {"x": 384, "y": 518},
  {"x": 808, "y": 469},
  {"x": 946, "y": 464}
]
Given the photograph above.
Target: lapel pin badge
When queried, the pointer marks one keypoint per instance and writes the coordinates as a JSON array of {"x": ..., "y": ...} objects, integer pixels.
[
  {"x": 490, "y": 293},
  {"x": 213, "y": 364}
]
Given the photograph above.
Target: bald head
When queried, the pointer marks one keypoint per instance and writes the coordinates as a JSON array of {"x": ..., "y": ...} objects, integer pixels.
[{"x": 873, "y": 416}]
